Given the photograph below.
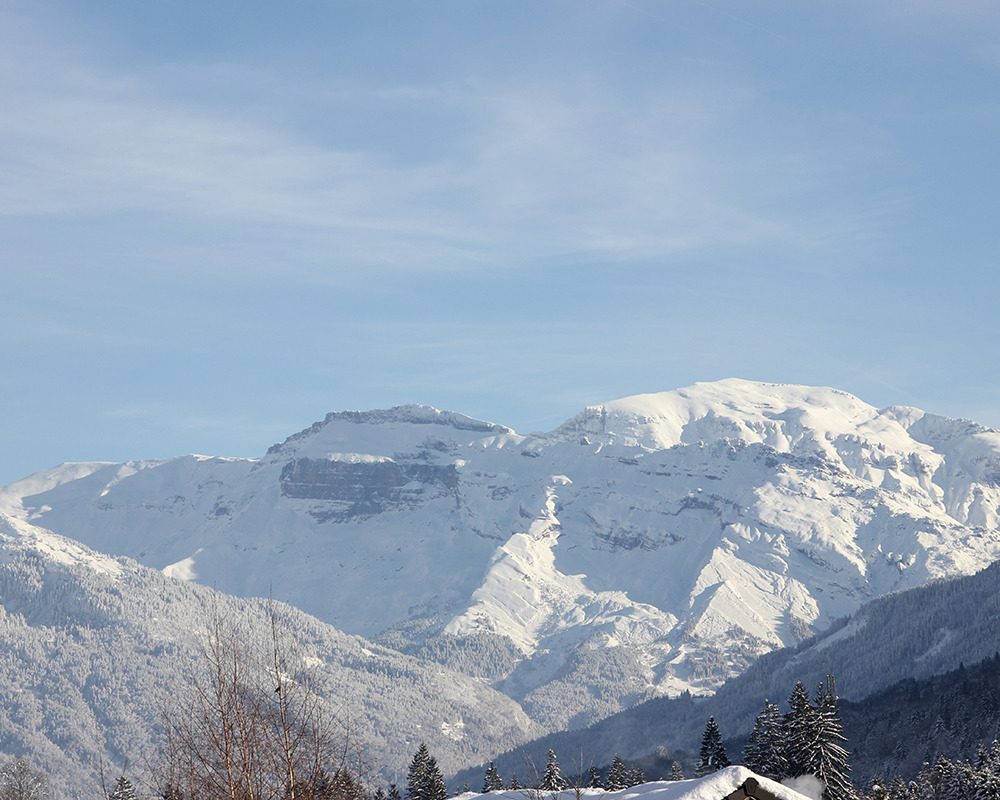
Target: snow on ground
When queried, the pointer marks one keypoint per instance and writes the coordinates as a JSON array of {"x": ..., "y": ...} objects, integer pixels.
[{"x": 716, "y": 786}]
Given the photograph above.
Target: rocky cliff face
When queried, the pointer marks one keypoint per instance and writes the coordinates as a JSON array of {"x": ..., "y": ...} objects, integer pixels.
[{"x": 649, "y": 545}]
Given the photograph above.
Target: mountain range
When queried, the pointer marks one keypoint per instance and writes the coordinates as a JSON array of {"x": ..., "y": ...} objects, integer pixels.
[{"x": 648, "y": 546}]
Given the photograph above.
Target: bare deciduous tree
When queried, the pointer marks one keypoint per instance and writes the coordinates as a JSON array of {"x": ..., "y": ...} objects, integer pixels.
[
  {"x": 18, "y": 781},
  {"x": 252, "y": 727}
]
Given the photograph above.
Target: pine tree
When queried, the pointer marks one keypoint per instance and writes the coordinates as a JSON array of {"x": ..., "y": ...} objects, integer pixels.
[
  {"x": 798, "y": 727},
  {"x": 765, "y": 752},
  {"x": 552, "y": 780},
  {"x": 987, "y": 784},
  {"x": 436, "y": 787},
  {"x": 635, "y": 777},
  {"x": 394, "y": 792},
  {"x": 491, "y": 779},
  {"x": 515, "y": 784},
  {"x": 712, "y": 755},
  {"x": 830, "y": 763},
  {"x": 594, "y": 779},
  {"x": 617, "y": 774},
  {"x": 379, "y": 794},
  {"x": 416, "y": 776},
  {"x": 676, "y": 771},
  {"x": 123, "y": 790}
]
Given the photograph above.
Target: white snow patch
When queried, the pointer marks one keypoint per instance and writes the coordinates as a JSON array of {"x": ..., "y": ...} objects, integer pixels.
[
  {"x": 807, "y": 785},
  {"x": 183, "y": 570},
  {"x": 454, "y": 730},
  {"x": 716, "y": 786},
  {"x": 358, "y": 458}
]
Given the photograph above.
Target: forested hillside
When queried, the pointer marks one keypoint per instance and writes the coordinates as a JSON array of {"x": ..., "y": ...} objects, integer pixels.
[{"x": 94, "y": 650}]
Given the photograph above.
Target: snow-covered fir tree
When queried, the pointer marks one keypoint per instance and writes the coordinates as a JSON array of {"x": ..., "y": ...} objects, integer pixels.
[
  {"x": 765, "y": 750},
  {"x": 552, "y": 780},
  {"x": 712, "y": 755},
  {"x": 122, "y": 790},
  {"x": 594, "y": 780},
  {"x": 635, "y": 776},
  {"x": 416, "y": 776},
  {"x": 617, "y": 774},
  {"x": 379, "y": 794},
  {"x": 424, "y": 780},
  {"x": 492, "y": 781},
  {"x": 829, "y": 757},
  {"x": 515, "y": 784},
  {"x": 676, "y": 771},
  {"x": 394, "y": 792},
  {"x": 978, "y": 779},
  {"x": 799, "y": 731},
  {"x": 436, "y": 787}
]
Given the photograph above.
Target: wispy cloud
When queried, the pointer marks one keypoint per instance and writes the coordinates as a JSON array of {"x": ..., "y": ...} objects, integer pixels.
[{"x": 531, "y": 173}]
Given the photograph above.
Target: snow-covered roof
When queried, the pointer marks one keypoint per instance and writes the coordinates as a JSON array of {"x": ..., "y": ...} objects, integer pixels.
[{"x": 717, "y": 786}]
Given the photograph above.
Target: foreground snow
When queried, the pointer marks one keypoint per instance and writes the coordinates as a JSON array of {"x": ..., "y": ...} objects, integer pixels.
[{"x": 717, "y": 786}]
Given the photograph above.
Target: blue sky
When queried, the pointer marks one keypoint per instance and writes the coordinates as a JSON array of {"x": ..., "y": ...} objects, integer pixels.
[{"x": 221, "y": 220}]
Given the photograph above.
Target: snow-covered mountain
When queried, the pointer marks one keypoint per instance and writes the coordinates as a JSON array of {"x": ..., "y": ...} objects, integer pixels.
[
  {"x": 94, "y": 649},
  {"x": 889, "y": 647},
  {"x": 648, "y": 545}
]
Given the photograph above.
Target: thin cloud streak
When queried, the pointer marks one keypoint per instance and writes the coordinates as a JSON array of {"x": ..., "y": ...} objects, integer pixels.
[{"x": 536, "y": 174}]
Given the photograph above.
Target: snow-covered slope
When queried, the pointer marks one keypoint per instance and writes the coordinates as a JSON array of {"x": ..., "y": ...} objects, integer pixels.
[
  {"x": 93, "y": 649},
  {"x": 652, "y": 544},
  {"x": 909, "y": 635}
]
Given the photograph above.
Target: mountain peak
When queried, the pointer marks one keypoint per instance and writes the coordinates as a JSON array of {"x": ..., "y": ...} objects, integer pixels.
[
  {"x": 782, "y": 415},
  {"x": 404, "y": 415}
]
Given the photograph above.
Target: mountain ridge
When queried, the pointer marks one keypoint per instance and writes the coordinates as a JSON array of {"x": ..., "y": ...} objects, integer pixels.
[{"x": 672, "y": 537}]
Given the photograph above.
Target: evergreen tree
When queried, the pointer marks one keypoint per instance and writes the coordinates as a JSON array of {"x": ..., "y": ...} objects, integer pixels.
[
  {"x": 765, "y": 751},
  {"x": 676, "y": 771},
  {"x": 798, "y": 727},
  {"x": 123, "y": 790},
  {"x": 712, "y": 755},
  {"x": 515, "y": 784},
  {"x": 635, "y": 777},
  {"x": 830, "y": 758},
  {"x": 436, "y": 787},
  {"x": 958, "y": 782},
  {"x": 379, "y": 794},
  {"x": 594, "y": 779},
  {"x": 394, "y": 792},
  {"x": 416, "y": 776},
  {"x": 617, "y": 774},
  {"x": 491, "y": 779},
  {"x": 320, "y": 787},
  {"x": 987, "y": 784},
  {"x": 552, "y": 780}
]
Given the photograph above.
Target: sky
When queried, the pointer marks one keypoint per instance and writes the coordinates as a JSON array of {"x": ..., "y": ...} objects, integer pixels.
[{"x": 219, "y": 221}]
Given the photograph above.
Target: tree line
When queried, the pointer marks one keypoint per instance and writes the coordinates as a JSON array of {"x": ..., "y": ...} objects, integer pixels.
[{"x": 251, "y": 731}]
